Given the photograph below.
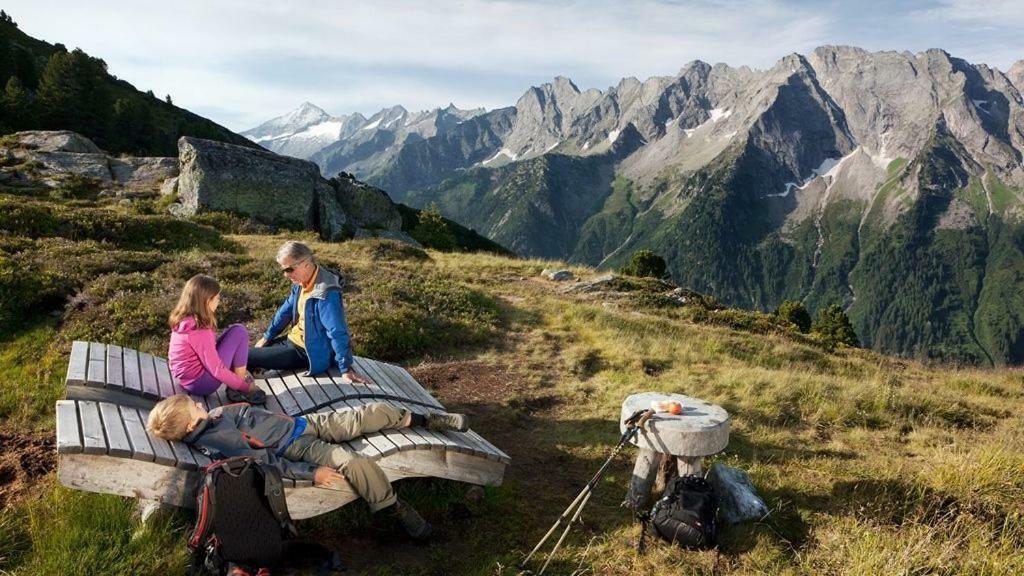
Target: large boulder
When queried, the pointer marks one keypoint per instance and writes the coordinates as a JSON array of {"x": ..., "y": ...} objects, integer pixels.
[
  {"x": 277, "y": 190},
  {"x": 146, "y": 173},
  {"x": 56, "y": 141}
]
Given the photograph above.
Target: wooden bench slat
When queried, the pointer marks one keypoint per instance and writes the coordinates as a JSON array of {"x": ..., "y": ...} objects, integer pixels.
[
  {"x": 288, "y": 404},
  {"x": 132, "y": 375},
  {"x": 117, "y": 439},
  {"x": 147, "y": 373},
  {"x": 491, "y": 447},
  {"x": 329, "y": 388},
  {"x": 306, "y": 404},
  {"x": 315, "y": 390},
  {"x": 137, "y": 436},
  {"x": 115, "y": 366},
  {"x": 183, "y": 455},
  {"x": 92, "y": 428},
  {"x": 424, "y": 396},
  {"x": 412, "y": 389},
  {"x": 272, "y": 403},
  {"x": 69, "y": 440},
  {"x": 433, "y": 439},
  {"x": 379, "y": 378},
  {"x": 347, "y": 390},
  {"x": 163, "y": 377},
  {"x": 378, "y": 387},
  {"x": 381, "y": 443},
  {"x": 78, "y": 364},
  {"x": 202, "y": 460},
  {"x": 474, "y": 447},
  {"x": 402, "y": 389},
  {"x": 97, "y": 371}
]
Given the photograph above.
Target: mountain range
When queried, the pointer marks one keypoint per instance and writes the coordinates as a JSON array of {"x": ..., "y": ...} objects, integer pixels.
[{"x": 887, "y": 182}]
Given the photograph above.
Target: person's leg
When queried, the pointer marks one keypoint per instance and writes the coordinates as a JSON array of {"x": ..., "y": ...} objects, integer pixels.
[
  {"x": 365, "y": 476},
  {"x": 202, "y": 386},
  {"x": 280, "y": 355},
  {"x": 233, "y": 350},
  {"x": 349, "y": 424}
]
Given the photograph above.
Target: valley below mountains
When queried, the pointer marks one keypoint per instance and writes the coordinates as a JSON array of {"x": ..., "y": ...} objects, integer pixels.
[{"x": 889, "y": 183}]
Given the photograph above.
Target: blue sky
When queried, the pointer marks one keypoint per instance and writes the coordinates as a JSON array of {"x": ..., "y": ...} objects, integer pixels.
[{"x": 240, "y": 62}]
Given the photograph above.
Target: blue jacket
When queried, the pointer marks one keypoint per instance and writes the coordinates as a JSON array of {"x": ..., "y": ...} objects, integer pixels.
[{"x": 326, "y": 332}]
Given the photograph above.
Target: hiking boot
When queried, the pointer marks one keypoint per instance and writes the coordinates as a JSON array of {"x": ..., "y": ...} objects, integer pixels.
[
  {"x": 442, "y": 422},
  {"x": 255, "y": 396},
  {"x": 415, "y": 526}
]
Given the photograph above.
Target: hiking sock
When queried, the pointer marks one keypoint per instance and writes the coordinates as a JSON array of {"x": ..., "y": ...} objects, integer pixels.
[{"x": 418, "y": 420}]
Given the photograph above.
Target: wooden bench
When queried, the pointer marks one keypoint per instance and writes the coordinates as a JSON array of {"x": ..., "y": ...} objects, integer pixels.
[{"x": 103, "y": 445}]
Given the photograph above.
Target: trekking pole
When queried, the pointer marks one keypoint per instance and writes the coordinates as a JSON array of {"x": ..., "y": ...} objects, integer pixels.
[{"x": 633, "y": 424}]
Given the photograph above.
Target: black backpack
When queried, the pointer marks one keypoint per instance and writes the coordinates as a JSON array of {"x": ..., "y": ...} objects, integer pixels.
[
  {"x": 685, "y": 514},
  {"x": 241, "y": 517}
]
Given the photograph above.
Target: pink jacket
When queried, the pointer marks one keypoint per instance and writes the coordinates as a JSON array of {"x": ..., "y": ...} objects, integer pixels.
[{"x": 194, "y": 350}]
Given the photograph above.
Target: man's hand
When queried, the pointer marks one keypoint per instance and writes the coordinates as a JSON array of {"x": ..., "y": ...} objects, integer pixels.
[
  {"x": 352, "y": 377},
  {"x": 325, "y": 476},
  {"x": 261, "y": 343}
]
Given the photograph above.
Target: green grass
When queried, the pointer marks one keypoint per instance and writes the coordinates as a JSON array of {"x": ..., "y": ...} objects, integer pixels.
[{"x": 869, "y": 464}]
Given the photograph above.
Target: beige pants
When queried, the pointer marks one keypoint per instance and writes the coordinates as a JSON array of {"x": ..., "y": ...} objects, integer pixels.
[{"x": 318, "y": 445}]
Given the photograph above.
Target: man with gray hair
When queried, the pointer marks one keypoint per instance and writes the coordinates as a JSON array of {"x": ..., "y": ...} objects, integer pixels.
[{"x": 317, "y": 335}]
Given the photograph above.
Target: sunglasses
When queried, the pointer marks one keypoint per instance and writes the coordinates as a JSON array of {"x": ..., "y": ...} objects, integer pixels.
[{"x": 290, "y": 269}]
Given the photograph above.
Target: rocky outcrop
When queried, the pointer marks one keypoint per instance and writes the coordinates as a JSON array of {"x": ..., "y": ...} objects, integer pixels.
[
  {"x": 56, "y": 155},
  {"x": 279, "y": 191}
]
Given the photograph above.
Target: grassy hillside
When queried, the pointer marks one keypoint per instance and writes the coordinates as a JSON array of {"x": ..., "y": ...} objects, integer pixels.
[{"x": 869, "y": 465}]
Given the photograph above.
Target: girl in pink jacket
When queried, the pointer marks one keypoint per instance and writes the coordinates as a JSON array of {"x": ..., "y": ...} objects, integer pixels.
[{"x": 198, "y": 358}]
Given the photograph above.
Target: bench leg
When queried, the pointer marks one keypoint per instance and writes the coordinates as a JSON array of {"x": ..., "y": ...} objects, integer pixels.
[
  {"x": 689, "y": 465},
  {"x": 644, "y": 471},
  {"x": 146, "y": 508}
]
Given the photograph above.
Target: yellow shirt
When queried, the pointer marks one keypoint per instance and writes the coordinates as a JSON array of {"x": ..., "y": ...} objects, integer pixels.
[{"x": 298, "y": 332}]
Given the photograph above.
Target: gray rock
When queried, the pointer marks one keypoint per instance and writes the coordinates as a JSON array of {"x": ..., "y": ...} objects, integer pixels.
[
  {"x": 143, "y": 172},
  {"x": 56, "y": 141},
  {"x": 737, "y": 497},
  {"x": 557, "y": 275},
  {"x": 387, "y": 234},
  {"x": 276, "y": 190},
  {"x": 91, "y": 165},
  {"x": 169, "y": 186}
]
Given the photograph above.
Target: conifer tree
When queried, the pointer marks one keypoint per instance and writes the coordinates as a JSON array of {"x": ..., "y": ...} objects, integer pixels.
[{"x": 18, "y": 112}]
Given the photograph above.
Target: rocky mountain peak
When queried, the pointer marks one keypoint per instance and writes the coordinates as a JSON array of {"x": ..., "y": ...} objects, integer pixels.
[{"x": 1016, "y": 75}]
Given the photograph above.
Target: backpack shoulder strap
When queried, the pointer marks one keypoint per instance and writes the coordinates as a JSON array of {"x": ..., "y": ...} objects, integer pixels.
[{"x": 273, "y": 489}]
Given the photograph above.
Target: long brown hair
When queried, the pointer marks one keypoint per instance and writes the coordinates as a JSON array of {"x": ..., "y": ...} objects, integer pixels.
[{"x": 195, "y": 301}]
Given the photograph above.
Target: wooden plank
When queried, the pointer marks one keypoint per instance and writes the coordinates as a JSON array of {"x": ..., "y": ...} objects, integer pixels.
[
  {"x": 421, "y": 392},
  {"x": 470, "y": 443},
  {"x": 380, "y": 382},
  {"x": 132, "y": 376},
  {"x": 381, "y": 443},
  {"x": 69, "y": 439},
  {"x": 434, "y": 439},
  {"x": 329, "y": 388},
  {"x": 402, "y": 389},
  {"x": 306, "y": 404},
  {"x": 315, "y": 390},
  {"x": 162, "y": 452},
  {"x": 183, "y": 454},
  {"x": 288, "y": 404},
  {"x": 202, "y": 460},
  {"x": 272, "y": 403},
  {"x": 117, "y": 439},
  {"x": 78, "y": 363},
  {"x": 163, "y": 378},
  {"x": 115, "y": 366},
  {"x": 93, "y": 439},
  {"x": 400, "y": 440},
  {"x": 137, "y": 436},
  {"x": 97, "y": 371},
  {"x": 347, "y": 390},
  {"x": 147, "y": 373},
  {"x": 411, "y": 434},
  {"x": 504, "y": 458}
]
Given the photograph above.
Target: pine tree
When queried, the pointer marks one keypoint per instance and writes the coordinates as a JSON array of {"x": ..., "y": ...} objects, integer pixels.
[
  {"x": 432, "y": 231},
  {"x": 795, "y": 313},
  {"x": 18, "y": 110},
  {"x": 6, "y": 58},
  {"x": 169, "y": 101},
  {"x": 73, "y": 94},
  {"x": 25, "y": 68},
  {"x": 834, "y": 327},
  {"x": 645, "y": 263}
]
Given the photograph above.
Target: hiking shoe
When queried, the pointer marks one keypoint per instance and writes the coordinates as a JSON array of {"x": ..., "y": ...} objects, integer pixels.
[
  {"x": 415, "y": 526},
  {"x": 442, "y": 422},
  {"x": 256, "y": 396}
]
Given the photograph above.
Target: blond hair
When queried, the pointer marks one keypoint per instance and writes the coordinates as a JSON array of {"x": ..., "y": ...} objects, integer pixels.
[
  {"x": 195, "y": 301},
  {"x": 169, "y": 419}
]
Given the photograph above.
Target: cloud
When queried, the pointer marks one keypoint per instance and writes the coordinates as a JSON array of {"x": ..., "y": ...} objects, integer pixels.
[{"x": 241, "y": 62}]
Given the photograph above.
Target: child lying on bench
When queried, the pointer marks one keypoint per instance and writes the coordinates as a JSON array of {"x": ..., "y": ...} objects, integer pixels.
[{"x": 304, "y": 447}]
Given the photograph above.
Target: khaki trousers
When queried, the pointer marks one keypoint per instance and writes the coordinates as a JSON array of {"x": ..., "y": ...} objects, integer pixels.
[{"x": 318, "y": 445}]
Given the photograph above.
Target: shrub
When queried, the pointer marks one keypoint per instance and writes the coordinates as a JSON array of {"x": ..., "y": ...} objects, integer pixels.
[
  {"x": 645, "y": 263},
  {"x": 432, "y": 231},
  {"x": 19, "y": 292},
  {"x": 834, "y": 328},
  {"x": 796, "y": 314}
]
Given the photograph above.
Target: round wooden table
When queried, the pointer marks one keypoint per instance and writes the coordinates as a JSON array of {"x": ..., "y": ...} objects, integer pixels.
[{"x": 701, "y": 430}]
